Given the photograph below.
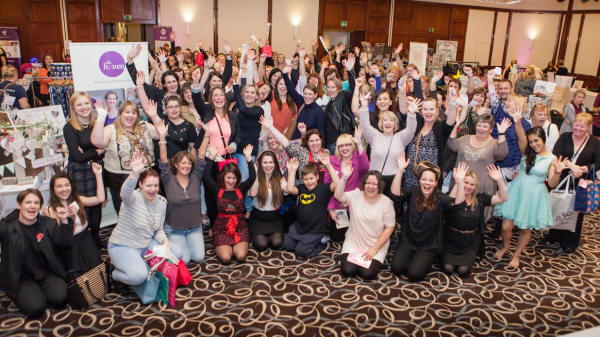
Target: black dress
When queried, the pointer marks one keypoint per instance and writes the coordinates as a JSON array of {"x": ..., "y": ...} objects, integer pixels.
[{"x": 463, "y": 232}]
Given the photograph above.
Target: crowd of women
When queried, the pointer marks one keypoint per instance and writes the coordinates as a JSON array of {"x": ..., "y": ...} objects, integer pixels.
[{"x": 276, "y": 153}]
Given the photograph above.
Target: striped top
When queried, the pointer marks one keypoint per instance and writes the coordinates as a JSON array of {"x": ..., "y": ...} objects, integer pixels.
[{"x": 139, "y": 220}]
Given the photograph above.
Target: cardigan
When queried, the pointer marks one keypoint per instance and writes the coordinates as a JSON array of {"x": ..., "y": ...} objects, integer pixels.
[{"x": 12, "y": 239}]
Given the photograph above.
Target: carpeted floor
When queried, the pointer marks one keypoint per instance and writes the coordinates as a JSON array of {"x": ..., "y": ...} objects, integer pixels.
[{"x": 275, "y": 294}]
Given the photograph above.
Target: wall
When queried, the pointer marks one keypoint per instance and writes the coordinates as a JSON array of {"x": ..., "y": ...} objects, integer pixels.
[
  {"x": 284, "y": 11},
  {"x": 479, "y": 31},
  {"x": 547, "y": 5},
  {"x": 239, "y": 18},
  {"x": 588, "y": 56},
  {"x": 499, "y": 38},
  {"x": 200, "y": 12},
  {"x": 543, "y": 27},
  {"x": 572, "y": 40}
]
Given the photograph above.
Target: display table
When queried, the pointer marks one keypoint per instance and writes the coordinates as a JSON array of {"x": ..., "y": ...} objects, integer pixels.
[
  {"x": 8, "y": 195},
  {"x": 590, "y": 97}
]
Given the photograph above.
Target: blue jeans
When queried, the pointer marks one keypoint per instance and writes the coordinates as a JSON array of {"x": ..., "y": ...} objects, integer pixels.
[
  {"x": 189, "y": 242},
  {"x": 130, "y": 267}
]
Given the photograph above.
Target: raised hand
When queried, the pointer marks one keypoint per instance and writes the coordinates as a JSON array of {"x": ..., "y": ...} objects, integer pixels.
[
  {"x": 502, "y": 127},
  {"x": 180, "y": 57},
  {"x": 227, "y": 47},
  {"x": 402, "y": 161},
  {"x": 199, "y": 44},
  {"x": 372, "y": 82},
  {"x": 96, "y": 168},
  {"x": 153, "y": 63},
  {"x": 302, "y": 128},
  {"x": 347, "y": 169},
  {"x": 135, "y": 51},
  {"x": 490, "y": 73},
  {"x": 339, "y": 49},
  {"x": 162, "y": 129},
  {"x": 414, "y": 104},
  {"x": 248, "y": 152},
  {"x": 359, "y": 81},
  {"x": 212, "y": 151},
  {"x": 287, "y": 69},
  {"x": 292, "y": 164},
  {"x": 314, "y": 45},
  {"x": 301, "y": 54},
  {"x": 438, "y": 76},
  {"x": 324, "y": 64},
  {"x": 162, "y": 57},
  {"x": 266, "y": 121},
  {"x": 100, "y": 111},
  {"x": 72, "y": 211},
  {"x": 324, "y": 158},
  {"x": 452, "y": 95},
  {"x": 414, "y": 73},
  {"x": 196, "y": 75},
  {"x": 357, "y": 134},
  {"x": 151, "y": 109},
  {"x": 210, "y": 62},
  {"x": 62, "y": 214},
  {"x": 399, "y": 49},
  {"x": 494, "y": 173},
  {"x": 140, "y": 79},
  {"x": 138, "y": 162},
  {"x": 460, "y": 171},
  {"x": 561, "y": 164},
  {"x": 365, "y": 99},
  {"x": 350, "y": 62},
  {"x": 263, "y": 58}
]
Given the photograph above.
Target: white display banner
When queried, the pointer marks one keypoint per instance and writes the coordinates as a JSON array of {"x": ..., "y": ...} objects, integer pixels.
[
  {"x": 417, "y": 55},
  {"x": 102, "y": 65}
]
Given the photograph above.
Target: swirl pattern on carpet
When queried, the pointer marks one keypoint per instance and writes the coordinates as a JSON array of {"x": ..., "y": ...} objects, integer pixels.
[{"x": 276, "y": 294}]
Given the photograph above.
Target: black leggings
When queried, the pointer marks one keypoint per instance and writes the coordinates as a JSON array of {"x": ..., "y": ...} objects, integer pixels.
[
  {"x": 568, "y": 239},
  {"x": 114, "y": 181},
  {"x": 94, "y": 215},
  {"x": 414, "y": 263},
  {"x": 262, "y": 242},
  {"x": 34, "y": 297},
  {"x": 349, "y": 269}
]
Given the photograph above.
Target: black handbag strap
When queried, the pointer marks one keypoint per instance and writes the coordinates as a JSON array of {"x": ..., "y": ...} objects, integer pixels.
[
  {"x": 104, "y": 283},
  {"x": 387, "y": 154},
  {"x": 221, "y": 132}
]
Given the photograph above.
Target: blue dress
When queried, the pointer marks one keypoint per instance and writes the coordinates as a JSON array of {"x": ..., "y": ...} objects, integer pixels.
[{"x": 528, "y": 203}]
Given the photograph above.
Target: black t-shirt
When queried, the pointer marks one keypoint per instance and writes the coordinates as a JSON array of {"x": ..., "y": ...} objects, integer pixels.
[
  {"x": 178, "y": 138},
  {"x": 423, "y": 230},
  {"x": 312, "y": 209},
  {"x": 464, "y": 218},
  {"x": 13, "y": 90},
  {"x": 76, "y": 140},
  {"x": 34, "y": 262}
]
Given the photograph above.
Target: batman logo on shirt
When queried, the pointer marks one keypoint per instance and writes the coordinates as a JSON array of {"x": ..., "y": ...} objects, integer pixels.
[{"x": 306, "y": 199}]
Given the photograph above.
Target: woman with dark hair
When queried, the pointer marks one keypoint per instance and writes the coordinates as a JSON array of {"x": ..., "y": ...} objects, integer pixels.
[
  {"x": 266, "y": 219},
  {"x": 338, "y": 111},
  {"x": 83, "y": 254},
  {"x": 182, "y": 180},
  {"x": 283, "y": 108},
  {"x": 44, "y": 74},
  {"x": 528, "y": 205},
  {"x": 3, "y": 58},
  {"x": 422, "y": 227},
  {"x": 230, "y": 231},
  {"x": 169, "y": 80},
  {"x": 140, "y": 225},
  {"x": 372, "y": 222},
  {"x": 583, "y": 151},
  {"x": 33, "y": 274},
  {"x": 308, "y": 151},
  {"x": 188, "y": 110}
]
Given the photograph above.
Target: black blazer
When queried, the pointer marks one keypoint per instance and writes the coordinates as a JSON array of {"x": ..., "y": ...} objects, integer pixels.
[
  {"x": 12, "y": 238},
  {"x": 590, "y": 155}
]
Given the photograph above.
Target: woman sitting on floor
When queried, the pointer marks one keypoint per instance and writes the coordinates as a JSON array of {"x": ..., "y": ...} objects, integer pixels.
[
  {"x": 266, "y": 219},
  {"x": 83, "y": 254},
  {"x": 33, "y": 276},
  {"x": 466, "y": 222},
  {"x": 140, "y": 224},
  {"x": 422, "y": 227},
  {"x": 230, "y": 230},
  {"x": 372, "y": 222}
]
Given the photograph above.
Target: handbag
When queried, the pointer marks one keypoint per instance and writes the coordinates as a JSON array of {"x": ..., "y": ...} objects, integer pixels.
[
  {"x": 226, "y": 161},
  {"x": 148, "y": 291},
  {"x": 587, "y": 197},
  {"x": 183, "y": 274},
  {"x": 89, "y": 288},
  {"x": 562, "y": 203},
  {"x": 168, "y": 269}
]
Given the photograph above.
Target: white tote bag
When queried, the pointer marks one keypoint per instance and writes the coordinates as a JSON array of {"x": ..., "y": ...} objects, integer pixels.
[{"x": 563, "y": 205}]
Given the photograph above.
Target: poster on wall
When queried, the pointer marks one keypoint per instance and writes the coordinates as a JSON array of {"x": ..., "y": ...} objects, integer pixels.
[
  {"x": 446, "y": 50},
  {"x": 417, "y": 55},
  {"x": 102, "y": 66},
  {"x": 9, "y": 42},
  {"x": 162, "y": 35}
]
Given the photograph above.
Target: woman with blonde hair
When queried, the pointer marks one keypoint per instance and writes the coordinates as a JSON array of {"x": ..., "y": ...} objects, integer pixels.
[
  {"x": 120, "y": 140},
  {"x": 540, "y": 116},
  {"x": 572, "y": 109},
  {"x": 82, "y": 153}
]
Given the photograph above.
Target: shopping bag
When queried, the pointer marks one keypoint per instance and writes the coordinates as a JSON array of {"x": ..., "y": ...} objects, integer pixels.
[
  {"x": 183, "y": 274},
  {"x": 162, "y": 293},
  {"x": 562, "y": 202},
  {"x": 148, "y": 291},
  {"x": 587, "y": 198},
  {"x": 88, "y": 288}
]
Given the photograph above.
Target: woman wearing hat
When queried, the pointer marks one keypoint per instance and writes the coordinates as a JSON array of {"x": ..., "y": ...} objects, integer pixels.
[{"x": 422, "y": 227}]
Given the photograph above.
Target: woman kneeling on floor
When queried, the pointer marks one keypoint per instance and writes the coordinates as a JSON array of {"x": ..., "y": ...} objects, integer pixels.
[
  {"x": 372, "y": 221},
  {"x": 140, "y": 224},
  {"x": 33, "y": 276}
]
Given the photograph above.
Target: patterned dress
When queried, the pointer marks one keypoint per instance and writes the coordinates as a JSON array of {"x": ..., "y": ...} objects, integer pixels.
[
  {"x": 230, "y": 227},
  {"x": 427, "y": 150}
]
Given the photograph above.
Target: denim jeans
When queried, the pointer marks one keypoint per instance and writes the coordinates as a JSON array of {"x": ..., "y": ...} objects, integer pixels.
[
  {"x": 130, "y": 267},
  {"x": 189, "y": 243}
]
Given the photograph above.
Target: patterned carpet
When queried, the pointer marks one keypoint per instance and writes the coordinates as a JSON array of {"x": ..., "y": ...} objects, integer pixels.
[{"x": 276, "y": 294}]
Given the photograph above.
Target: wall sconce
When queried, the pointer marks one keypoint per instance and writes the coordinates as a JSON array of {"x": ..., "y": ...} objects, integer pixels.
[
  {"x": 295, "y": 31},
  {"x": 295, "y": 23},
  {"x": 188, "y": 16},
  {"x": 532, "y": 35}
]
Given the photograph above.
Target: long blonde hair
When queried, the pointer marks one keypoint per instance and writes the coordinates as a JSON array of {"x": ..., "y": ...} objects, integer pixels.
[
  {"x": 74, "y": 121},
  {"x": 472, "y": 174}
]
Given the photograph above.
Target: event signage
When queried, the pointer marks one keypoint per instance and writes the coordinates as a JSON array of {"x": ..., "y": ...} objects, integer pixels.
[
  {"x": 162, "y": 35},
  {"x": 417, "y": 55},
  {"x": 102, "y": 65},
  {"x": 9, "y": 42},
  {"x": 446, "y": 49}
]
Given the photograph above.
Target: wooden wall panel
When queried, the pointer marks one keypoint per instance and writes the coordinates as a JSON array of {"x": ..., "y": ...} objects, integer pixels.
[
  {"x": 332, "y": 14},
  {"x": 111, "y": 10},
  {"x": 81, "y": 12},
  {"x": 355, "y": 15},
  {"x": 83, "y": 20},
  {"x": 46, "y": 29},
  {"x": 143, "y": 11},
  {"x": 378, "y": 18},
  {"x": 13, "y": 10}
]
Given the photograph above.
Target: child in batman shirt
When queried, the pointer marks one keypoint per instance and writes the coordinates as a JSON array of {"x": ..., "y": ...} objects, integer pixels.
[{"x": 305, "y": 235}]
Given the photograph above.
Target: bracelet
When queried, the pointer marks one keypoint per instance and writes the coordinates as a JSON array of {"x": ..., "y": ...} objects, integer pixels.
[
  {"x": 501, "y": 134},
  {"x": 162, "y": 142}
]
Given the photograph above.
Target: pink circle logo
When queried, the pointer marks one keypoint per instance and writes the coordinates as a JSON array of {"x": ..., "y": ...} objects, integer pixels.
[{"x": 111, "y": 64}]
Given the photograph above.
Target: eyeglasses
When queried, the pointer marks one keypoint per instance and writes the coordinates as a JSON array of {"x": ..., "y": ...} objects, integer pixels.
[{"x": 344, "y": 145}]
